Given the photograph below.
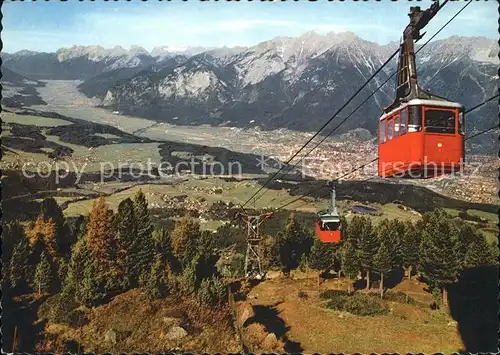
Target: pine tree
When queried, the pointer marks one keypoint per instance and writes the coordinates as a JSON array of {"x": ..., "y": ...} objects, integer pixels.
[
  {"x": 61, "y": 266},
  {"x": 382, "y": 263},
  {"x": 144, "y": 234},
  {"x": 184, "y": 237},
  {"x": 294, "y": 242},
  {"x": 12, "y": 234},
  {"x": 479, "y": 253},
  {"x": 156, "y": 283},
  {"x": 368, "y": 244},
  {"x": 19, "y": 273},
  {"x": 128, "y": 244},
  {"x": 100, "y": 235},
  {"x": 188, "y": 279},
  {"x": 410, "y": 248},
  {"x": 91, "y": 290},
  {"x": 80, "y": 256},
  {"x": 396, "y": 241},
  {"x": 355, "y": 231},
  {"x": 43, "y": 279},
  {"x": 162, "y": 241},
  {"x": 323, "y": 255},
  {"x": 349, "y": 259},
  {"x": 439, "y": 252}
]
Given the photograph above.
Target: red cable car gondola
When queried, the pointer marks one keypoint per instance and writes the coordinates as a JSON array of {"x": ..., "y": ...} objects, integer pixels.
[
  {"x": 420, "y": 135},
  {"x": 328, "y": 224}
]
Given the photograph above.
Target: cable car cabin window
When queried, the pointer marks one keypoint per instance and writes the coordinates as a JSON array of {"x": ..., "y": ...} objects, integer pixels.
[
  {"x": 414, "y": 119},
  {"x": 404, "y": 121},
  {"x": 461, "y": 126},
  {"x": 396, "y": 127},
  {"x": 382, "y": 131},
  {"x": 390, "y": 129},
  {"x": 329, "y": 226},
  {"x": 439, "y": 121}
]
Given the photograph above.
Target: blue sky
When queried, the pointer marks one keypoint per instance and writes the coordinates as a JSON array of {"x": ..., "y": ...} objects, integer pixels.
[{"x": 47, "y": 26}]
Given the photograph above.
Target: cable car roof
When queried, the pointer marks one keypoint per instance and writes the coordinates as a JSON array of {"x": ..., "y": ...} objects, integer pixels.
[
  {"x": 430, "y": 102},
  {"x": 330, "y": 219},
  {"x": 328, "y": 216}
]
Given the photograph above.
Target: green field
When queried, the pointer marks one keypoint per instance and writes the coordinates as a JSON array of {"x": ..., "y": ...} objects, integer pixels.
[
  {"x": 237, "y": 193},
  {"x": 11, "y": 117}
]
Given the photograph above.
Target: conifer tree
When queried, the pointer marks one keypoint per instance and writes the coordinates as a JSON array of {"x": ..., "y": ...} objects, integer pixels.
[
  {"x": 479, "y": 253},
  {"x": 322, "y": 256},
  {"x": 128, "y": 244},
  {"x": 355, "y": 230},
  {"x": 144, "y": 229},
  {"x": 156, "y": 284},
  {"x": 184, "y": 237},
  {"x": 188, "y": 279},
  {"x": 19, "y": 273},
  {"x": 396, "y": 241},
  {"x": 91, "y": 290},
  {"x": 162, "y": 241},
  {"x": 43, "y": 278},
  {"x": 368, "y": 245},
  {"x": 12, "y": 234},
  {"x": 382, "y": 263},
  {"x": 80, "y": 256},
  {"x": 294, "y": 242},
  {"x": 349, "y": 259},
  {"x": 410, "y": 248},
  {"x": 467, "y": 235},
  {"x": 439, "y": 252}
]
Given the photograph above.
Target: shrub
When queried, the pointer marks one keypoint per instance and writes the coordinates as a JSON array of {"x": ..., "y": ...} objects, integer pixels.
[
  {"x": 57, "y": 309},
  {"x": 77, "y": 318},
  {"x": 329, "y": 294},
  {"x": 212, "y": 291},
  {"x": 337, "y": 303},
  {"x": 364, "y": 305},
  {"x": 397, "y": 297}
]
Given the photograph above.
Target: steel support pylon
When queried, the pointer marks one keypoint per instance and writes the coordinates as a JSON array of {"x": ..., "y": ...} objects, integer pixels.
[{"x": 253, "y": 265}]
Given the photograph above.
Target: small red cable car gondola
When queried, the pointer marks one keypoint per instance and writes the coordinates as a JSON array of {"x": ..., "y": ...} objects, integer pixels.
[
  {"x": 328, "y": 224},
  {"x": 420, "y": 135}
]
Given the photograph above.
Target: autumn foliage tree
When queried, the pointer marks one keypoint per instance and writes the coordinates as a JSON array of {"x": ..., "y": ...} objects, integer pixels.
[
  {"x": 100, "y": 236},
  {"x": 50, "y": 210},
  {"x": 43, "y": 233}
]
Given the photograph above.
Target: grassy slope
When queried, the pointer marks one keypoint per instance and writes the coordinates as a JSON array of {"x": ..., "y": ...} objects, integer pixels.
[
  {"x": 140, "y": 325},
  {"x": 407, "y": 329}
]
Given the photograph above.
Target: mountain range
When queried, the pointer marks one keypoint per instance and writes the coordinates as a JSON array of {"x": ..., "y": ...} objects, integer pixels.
[{"x": 291, "y": 82}]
